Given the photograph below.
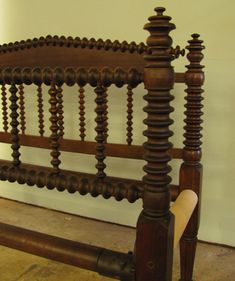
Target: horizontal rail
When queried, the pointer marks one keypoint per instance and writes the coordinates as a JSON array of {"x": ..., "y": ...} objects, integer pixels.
[
  {"x": 72, "y": 76},
  {"x": 106, "y": 262},
  {"x": 84, "y": 183},
  {"x": 179, "y": 77},
  {"x": 86, "y": 147}
]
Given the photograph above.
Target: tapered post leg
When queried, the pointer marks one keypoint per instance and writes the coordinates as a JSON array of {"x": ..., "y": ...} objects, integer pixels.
[
  {"x": 190, "y": 178},
  {"x": 191, "y": 169}
]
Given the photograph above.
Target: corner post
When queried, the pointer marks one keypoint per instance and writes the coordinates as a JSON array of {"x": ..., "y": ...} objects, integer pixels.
[
  {"x": 155, "y": 226},
  {"x": 191, "y": 168}
]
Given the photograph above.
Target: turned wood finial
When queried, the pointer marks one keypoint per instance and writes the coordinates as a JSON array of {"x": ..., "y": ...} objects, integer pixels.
[
  {"x": 160, "y": 10},
  {"x": 195, "y": 54},
  {"x": 159, "y": 27}
]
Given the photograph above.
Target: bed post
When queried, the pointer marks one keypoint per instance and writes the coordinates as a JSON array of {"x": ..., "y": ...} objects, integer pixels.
[
  {"x": 191, "y": 169},
  {"x": 155, "y": 226}
]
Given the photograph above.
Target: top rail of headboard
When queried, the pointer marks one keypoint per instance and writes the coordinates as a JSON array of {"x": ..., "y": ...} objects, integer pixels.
[{"x": 75, "y": 52}]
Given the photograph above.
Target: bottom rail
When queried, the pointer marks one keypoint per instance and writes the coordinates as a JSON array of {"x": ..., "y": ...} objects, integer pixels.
[
  {"x": 84, "y": 183},
  {"x": 106, "y": 262}
]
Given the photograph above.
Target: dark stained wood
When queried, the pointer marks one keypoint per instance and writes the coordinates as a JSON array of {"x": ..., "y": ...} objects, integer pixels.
[
  {"x": 105, "y": 116},
  {"x": 54, "y": 53},
  {"x": 67, "y": 251},
  {"x": 82, "y": 118},
  {"x": 4, "y": 108},
  {"x": 40, "y": 111},
  {"x": 54, "y": 62},
  {"x": 60, "y": 111},
  {"x": 71, "y": 76},
  {"x": 129, "y": 115},
  {"x": 22, "y": 109},
  {"x": 55, "y": 153},
  {"x": 155, "y": 226},
  {"x": 51, "y": 247},
  {"x": 191, "y": 169},
  {"x": 14, "y": 125},
  {"x": 100, "y": 129},
  {"x": 87, "y": 147},
  {"x": 84, "y": 183}
]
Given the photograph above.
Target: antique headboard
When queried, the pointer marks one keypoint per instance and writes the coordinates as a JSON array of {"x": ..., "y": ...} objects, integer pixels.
[{"x": 50, "y": 64}]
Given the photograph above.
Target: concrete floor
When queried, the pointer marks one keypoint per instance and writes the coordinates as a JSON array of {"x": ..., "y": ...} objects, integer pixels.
[{"x": 213, "y": 263}]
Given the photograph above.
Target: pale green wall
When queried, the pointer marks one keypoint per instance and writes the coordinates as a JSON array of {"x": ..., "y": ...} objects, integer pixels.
[{"x": 123, "y": 19}]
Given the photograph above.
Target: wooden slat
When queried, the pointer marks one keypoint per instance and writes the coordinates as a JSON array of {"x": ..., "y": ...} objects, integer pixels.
[{"x": 86, "y": 147}]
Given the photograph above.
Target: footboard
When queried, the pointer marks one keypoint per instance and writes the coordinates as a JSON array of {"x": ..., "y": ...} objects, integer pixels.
[{"x": 51, "y": 66}]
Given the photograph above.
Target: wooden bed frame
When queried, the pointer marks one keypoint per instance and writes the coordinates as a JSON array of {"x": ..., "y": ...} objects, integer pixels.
[{"x": 58, "y": 61}]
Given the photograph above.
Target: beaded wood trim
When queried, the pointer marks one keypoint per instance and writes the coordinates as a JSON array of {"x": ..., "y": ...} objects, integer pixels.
[
  {"x": 84, "y": 43},
  {"x": 77, "y": 42}
]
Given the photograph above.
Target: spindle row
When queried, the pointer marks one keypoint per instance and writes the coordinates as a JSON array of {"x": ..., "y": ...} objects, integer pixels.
[{"x": 56, "y": 107}]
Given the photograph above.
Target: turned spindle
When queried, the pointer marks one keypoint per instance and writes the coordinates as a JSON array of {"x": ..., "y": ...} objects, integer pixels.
[
  {"x": 4, "y": 109},
  {"x": 82, "y": 118},
  {"x": 60, "y": 110},
  {"x": 129, "y": 123},
  {"x": 55, "y": 153},
  {"x": 14, "y": 124},
  {"x": 105, "y": 115},
  {"x": 100, "y": 129},
  {"x": 22, "y": 109},
  {"x": 40, "y": 111}
]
